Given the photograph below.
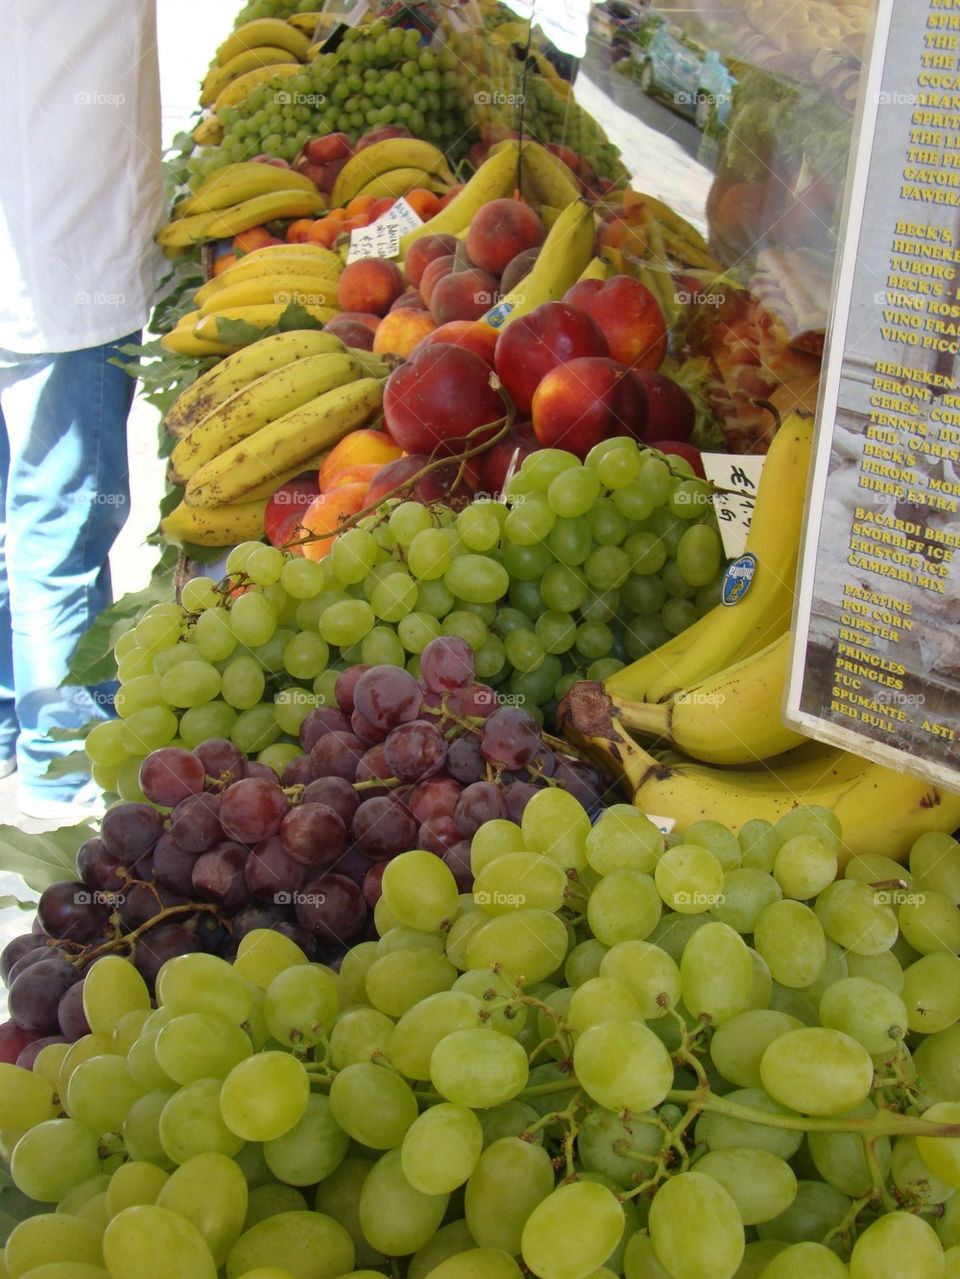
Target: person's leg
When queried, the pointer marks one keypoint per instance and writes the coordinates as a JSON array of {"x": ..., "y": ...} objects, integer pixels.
[
  {"x": 9, "y": 728},
  {"x": 67, "y": 499}
]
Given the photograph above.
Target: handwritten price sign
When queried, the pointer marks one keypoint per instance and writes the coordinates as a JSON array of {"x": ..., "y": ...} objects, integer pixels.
[{"x": 381, "y": 239}]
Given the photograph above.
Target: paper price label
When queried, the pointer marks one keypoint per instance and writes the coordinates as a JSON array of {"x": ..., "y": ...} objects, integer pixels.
[
  {"x": 737, "y": 477},
  {"x": 663, "y": 824},
  {"x": 381, "y": 239}
]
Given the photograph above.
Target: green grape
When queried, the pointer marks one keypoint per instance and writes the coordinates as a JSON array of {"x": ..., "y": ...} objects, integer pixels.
[
  {"x": 477, "y": 1068},
  {"x": 467, "y": 625},
  {"x": 292, "y": 1242},
  {"x": 190, "y": 1123},
  {"x": 804, "y": 866},
  {"x": 570, "y": 541},
  {"x": 353, "y": 555},
  {"x": 554, "y": 823},
  {"x": 817, "y": 1071},
  {"x": 529, "y": 522},
  {"x": 937, "y": 1062},
  {"x": 372, "y": 1104},
  {"x": 213, "y": 635},
  {"x": 556, "y": 631},
  {"x": 624, "y": 906},
  {"x": 689, "y": 879},
  {"x": 718, "y": 1132},
  {"x": 159, "y": 627},
  {"x": 640, "y": 1260},
  {"x": 870, "y": 1013},
  {"x": 690, "y": 499},
  {"x": 190, "y": 684},
  {"x": 931, "y": 993},
  {"x": 573, "y": 491},
  {"x": 46, "y": 1066},
  {"x": 264, "y": 1096},
  {"x": 897, "y": 1244},
  {"x": 434, "y": 598},
  {"x": 914, "y": 1178},
  {"x": 648, "y": 972},
  {"x": 716, "y": 973},
  {"x": 291, "y": 707},
  {"x": 301, "y": 578},
  {"x": 738, "y": 1045},
  {"x": 676, "y": 615},
  {"x": 348, "y": 621},
  {"x": 198, "y": 1046},
  {"x": 840, "y": 1157},
  {"x": 420, "y": 890},
  {"x": 478, "y": 1263},
  {"x": 598, "y": 999},
  {"x": 255, "y": 729},
  {"x": 210, "y": 1192},
  {"x": 441, "y": 1149},
  {"x": 617, "y": 468},
  {"x": 312, "y": 1148},
  {"x": 564, "y": 589},
  {"x": 811, "y": 819},
  {"x": 52, "y": 1157},
  {"x": 573, "y": 1229},
  {"x": 855, "y": 919},
  {"x": 111, "y": 988},
  {"x": 138, "y": 694},
  {"x": 395, "y": 1217},
  {"x": 420, "y": 1029},
  {"x": 511, "y": 1178},
  {"x": 490, "y": 658},
  {"x": 791, "y": 940},
  {"x": 527, "y": 943},
  {"x": 359, "y": 1035},
  {"x": 525, "y": 597},
  {"x": 817, "y": 1210},
  {"x": 539, "y": 469},
  {"x": 103, "y": 744},
  {"x": 199, "y": 983},
  {"x": 142, "y": 1062},
  {"x": 100, "y": 1093},
  {"x": 699, "y": 555},
  {"x": 477, "y": 579},
  {"x": 746, "y": 893},
  {"x": 305, "y": 655},
  {"x": 523, "y": 650},
  {"x": 761, "y": 1184},
  {"x": 930, "y": 922},
  {"x": 416, "y": 630},
  {"x": 583, "y": 962},
  {"x": 134, "y": 1183},
  {"x": 623, "y": 1065},
  {"x": 271, "y": 1198},
  {"x": 806, "y": 1260},
  {"x": 176, "y": 1248},
  {"x": 623, "y": 838},
  {"x": 200, "y": 723},
  {"x": 243, "y": 682},
  {"x": 695, "y": 1227},
  {"x": 324, "y": 686},
  {"x": 494, "y": 839},
  {"x": 301, "y": 1004},
  {"x": 26, "y": 1099},
  {"x": 478, "y": 525},
  {"x": 883, "y": 968},
  {"x": 935, "y": 859},
  {"x": 458, "y": 938},
  {"x": 517, "y": 881},
  {"x": 253, "y": 619},
  {"x": 431, "y": 553}
]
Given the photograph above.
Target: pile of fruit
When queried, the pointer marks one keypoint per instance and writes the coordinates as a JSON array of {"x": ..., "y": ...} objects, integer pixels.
[{"x": 615, "y": 1055}]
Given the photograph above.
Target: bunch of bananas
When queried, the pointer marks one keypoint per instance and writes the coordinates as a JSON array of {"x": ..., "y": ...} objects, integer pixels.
[
  {"x": 392, "y": 168},
  {"x": 257, "y": 289},
  {"x": 253, "y": 48},
  {"x": 256, "y": 420},
  {"x": 711, "y": 698},
  {"x": 236, "y": 198}
]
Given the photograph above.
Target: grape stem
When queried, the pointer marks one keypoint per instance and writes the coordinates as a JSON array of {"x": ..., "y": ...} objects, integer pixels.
[
  {"x": 884, "y": 1124},
  {"x": 130, "y": 939},
  {"x": 880, "y": 1190}
]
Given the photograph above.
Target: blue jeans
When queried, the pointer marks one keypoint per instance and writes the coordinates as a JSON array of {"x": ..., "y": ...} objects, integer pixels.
[{"x": 64, "y": 496}]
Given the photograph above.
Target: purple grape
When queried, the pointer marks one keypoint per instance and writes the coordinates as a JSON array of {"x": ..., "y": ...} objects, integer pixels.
[
  {"x": 436, "y": 797},
  {"x": 31, "y": 957},
  {"x": 582, "y": 781},
  {"x": 299, "y": 772},
  {"x": 437, "y": 834},
  {"x": 511, "y": 737},
  {"x": 222, "y": 762},
  {"x": 35, "y": 1048},
  {"x": 16, "y": 949},
  {"x": 352, "y": 864},
  {"x": 262, "y": 772},
  {"x": 101, "y": 870},
  {"x": 271, "y": 873},
  {"x": 252, "y": 809},
  {"x": 35, "y": 995},
  {"x": 372, "y": 766},
  {"x": 212, "y": 934},
  {"x": 362, "y": 728},
  {"x": 332, "y": 908},
  {"x": 325, "y": 719},
  {"x": 258, "y": 916},
  {"x": 382, "y": 828},
  {"x": 480, "y": 802},
  {"x": 336, "y": 793},
  {"x": 173, "y": 865},
  {"x": 170, "y": 774},
  {"x": 70, "y": 1015},
  {"x": 218, "y": 876},
  {"x": 447, "y": 663},
  {"x": 129, "y": 830},
  {"x": 337, "y": 755},
  {"x": 160, "y": 944},
  {"x": 465, "y": 764},
  {"x": 387, "y": 696},
  {"x": 414, "y": 751},
  {"x": 300, "y": 935},
  {"x": 70, "y": 911},
  {"x": 372, "y": 885},
  {"x": 313, "y": 834},
  {"x": 195, "y": 822},
  {"x": 143, "y": 902},
  {"x": 516, "y": 797},
  {"x": 345, "y": 687},
  {"x": 457, "y": 859}
]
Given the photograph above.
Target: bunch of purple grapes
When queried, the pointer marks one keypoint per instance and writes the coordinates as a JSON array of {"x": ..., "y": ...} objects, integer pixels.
[{"x": 225, "y": 846}]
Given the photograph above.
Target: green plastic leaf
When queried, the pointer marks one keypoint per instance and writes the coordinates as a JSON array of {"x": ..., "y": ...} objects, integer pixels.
[
  {"x": 73, "y": 763},
  {"x": 43, "y": 859},
  {"x": 9, "y": 903},
  {"x": 71, "y": 734}
]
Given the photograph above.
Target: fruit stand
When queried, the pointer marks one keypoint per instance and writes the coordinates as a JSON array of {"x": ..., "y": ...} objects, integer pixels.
[{"x": 464, "y": 906}]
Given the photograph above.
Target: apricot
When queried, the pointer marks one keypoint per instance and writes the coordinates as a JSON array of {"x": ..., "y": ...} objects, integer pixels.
[
  {"x": 257, "y": 237},
  {"x": 401, "y": 330},
  {"x": 359, "y": 204},
  {"x": 500, "y": 230},
  {"x": 325, "y": 232},
  {"x": 463, "y": 295},
  {"x": 326, "y": 513},
  {"x": 359, "y": 448},
  {"x": 371, "y": 284},
  {"x": 424, "y": 251},
  {"x": 298, "y": 232}
]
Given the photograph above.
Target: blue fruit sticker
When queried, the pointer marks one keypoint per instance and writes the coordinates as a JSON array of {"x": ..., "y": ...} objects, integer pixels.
[{"x": 737, "y": 579}]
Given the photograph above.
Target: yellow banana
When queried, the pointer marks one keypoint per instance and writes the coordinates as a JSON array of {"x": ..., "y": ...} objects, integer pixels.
[
  {"x": 270, "y": 486},
  {"x": 307, "y": 291},
  {"x": 238, "y": 90},
  {"x": 183, "y": 341},
  {"x": 275, "y": 32},
  {"x": 264, "y": 316},
  {"x": 306, "y": 22},
  {"x": 209, "y": 132},
  {"x": 879, "y": 810},
  {"x": 218, "y": 77},
  {"x": 235, "y": 183},
  {"x": 546, "y": 173},
  {"x": 565, "y": 252},
  {"x": 729, "y": 633},
  {"x": 224, "y": 223},
  {"x": 397, "y": 182},
  {"x": 596, "y": 269},
  {"x": 276, "y": 257},
  {"x": 285, "y": 443},
  {"x": 239, "y": 369},
  {"x": 496, "y": 177},
  {"x": 382, "y": 157},
  {"x": 225, "y": 526},
  {"x": 733, "y": 717},
  {"x": 289, "y": 280},
  {"x": 258, "y": 404}
]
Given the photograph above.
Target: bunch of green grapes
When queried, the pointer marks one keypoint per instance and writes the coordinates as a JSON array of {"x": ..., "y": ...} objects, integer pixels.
[
  {"x": 379, "y": 75},
  {"x": 274, "y": 9}
]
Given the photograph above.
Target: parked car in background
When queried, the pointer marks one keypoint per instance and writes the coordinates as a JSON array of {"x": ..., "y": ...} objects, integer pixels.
[
  {"x": 694, "y": 80},
  {"x": 614, "y": 25}
]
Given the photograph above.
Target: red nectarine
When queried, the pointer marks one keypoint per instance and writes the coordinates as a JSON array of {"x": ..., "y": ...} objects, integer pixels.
[
  {"x": 629, "y": 317},
  {"x": 434, "y": 401},
  {"x": 585, "y": 401},
  {"x": 537, "y": 342}
]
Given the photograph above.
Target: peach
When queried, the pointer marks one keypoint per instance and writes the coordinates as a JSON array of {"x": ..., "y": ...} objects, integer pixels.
[
  {"x": 360, "y": 447},
  {"x": 463, "y": 295},
  {"x": 423, "y": 202},
  {"x": 371, "y": 284},
  {"x": 587, "y": 400},
  {"x": 472, "y": 334},
  {"x": 380, "y": 133},
  {"x": 629, "y": 317},
  {"x": 360, "y": 474},
  {"x": 334, "y": 146},
  {"x": 454, "y": 191},
  {"x": 410, "y": 299},
  {"x": 534, "y": 344},
  {"x": 281, "y": 519},
  {"x": 424, "y": 251},
  {"x": 434, "y": 272},
  {"x": 366, "y": 318},
  {"x": 401, "y": 330},
  {"x": 351, "y": 332},
  {"x": 326, "y": 513},
  {"x": 500, "y": 230},
  {"x": 517, "y": 268}
]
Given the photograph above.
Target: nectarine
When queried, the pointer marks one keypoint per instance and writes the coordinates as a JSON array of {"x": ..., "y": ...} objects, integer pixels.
[
  {"x": 326, "y": 513},
  {"x": 463, "y": 295},
  {"x": 535, "y": 343},
  {"x": 471, "y": 334},
  {"x": 585, "y": 401},
  {"x": 360, "y": 447},
  {"x": 500, "y": 230},
  {"x": 629, "y": 317},
  {"x": 434, "y": 401}
]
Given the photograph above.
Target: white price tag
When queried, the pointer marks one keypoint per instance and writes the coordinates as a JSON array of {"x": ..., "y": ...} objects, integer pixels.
[
  {"x": 381, "y": 239},
  {"x": 663, "y": 824},
  {"x": 737, "y": 476}
]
